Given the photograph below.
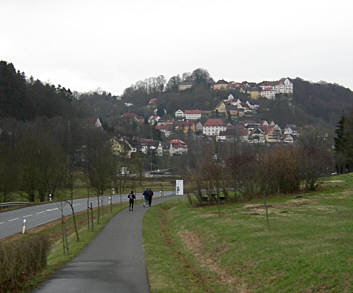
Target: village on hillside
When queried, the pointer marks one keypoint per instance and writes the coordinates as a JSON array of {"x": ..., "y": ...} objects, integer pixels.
[{"x": 232, "y": 120}]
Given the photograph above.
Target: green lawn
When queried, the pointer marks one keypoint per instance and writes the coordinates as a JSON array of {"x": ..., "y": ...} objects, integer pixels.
[{"x": 309, "y": 247}]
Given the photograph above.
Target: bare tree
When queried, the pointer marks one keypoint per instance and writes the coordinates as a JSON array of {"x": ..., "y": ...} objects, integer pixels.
[{"x": 101, "y": 170}]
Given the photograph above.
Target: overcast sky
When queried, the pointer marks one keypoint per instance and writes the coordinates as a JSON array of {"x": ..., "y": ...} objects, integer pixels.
[{"x": 83, "y": 44}]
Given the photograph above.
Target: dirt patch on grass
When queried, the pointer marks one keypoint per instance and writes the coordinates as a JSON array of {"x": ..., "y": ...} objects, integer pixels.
[
  {"x": 207, "y": 215},
  {"x": 299, "y": 202},
  {"x": 193, "y": 243}
]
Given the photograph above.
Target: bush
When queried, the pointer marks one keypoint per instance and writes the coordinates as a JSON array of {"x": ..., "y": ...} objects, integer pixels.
[{"x": 20, "y": 260}]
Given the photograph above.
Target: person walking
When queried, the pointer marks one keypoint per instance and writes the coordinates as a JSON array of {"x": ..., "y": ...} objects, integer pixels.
[
  {"x": 146, "y": 196},
  {"x": 132, "y": 198},
  {"x": 150, "y": 193}
]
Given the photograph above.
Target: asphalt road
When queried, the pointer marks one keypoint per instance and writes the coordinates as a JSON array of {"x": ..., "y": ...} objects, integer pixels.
[
  {"x": 112, "y": 262},
  {"x": 11, "y": 222}
]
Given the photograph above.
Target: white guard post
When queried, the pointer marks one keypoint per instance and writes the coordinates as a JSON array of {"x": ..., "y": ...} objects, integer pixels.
[
  {"x": 24, "y": 226},
  {"x": 179, "y": 187}
]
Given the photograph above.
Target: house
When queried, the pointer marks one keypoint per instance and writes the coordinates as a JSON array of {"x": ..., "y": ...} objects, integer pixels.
[
  {"x": 132, "y": 116},
  {"x": 179, "y": 114},
  {"x": 166, "y": 129},
  {"x": 213, "y": 127},
  {"x": 184, "y": 86},
  {"x": 198, "y": 127},
  {"x": 192, "y": 114},
  {"x": 229, "y": 100},
  {"x": 220, "y": 85},
  {"x": 268, "y": 93},
  {"x": 234, "y": 85},
  {"x": 250, "y": 106},
  {"x": 257, "y": 136},
  {"x": 288, "y": 138},
  {"x": 273, "y": 134},
  {"x": 117, "y": 147},
  {"x": 284, "y": 86},
  {"x": 254, "y": 93},
  {"x": 232, "y": 111},
  {"x": 177, "y": 147},
  {"x": 237, "y": 103},
  {"x": 94, "y": 122},
  {"x": 290, "y": 131},
  {"x": 221, "y": 108},
  {"x": 121, "y": 147},
  {"x": 160, "y": 150},
  {"x": 184, "y": 126},
  {"x": 153, "y": 120}
]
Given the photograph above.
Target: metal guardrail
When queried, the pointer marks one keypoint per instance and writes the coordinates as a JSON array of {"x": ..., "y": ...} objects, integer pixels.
[{"x": 12, "y": 204}]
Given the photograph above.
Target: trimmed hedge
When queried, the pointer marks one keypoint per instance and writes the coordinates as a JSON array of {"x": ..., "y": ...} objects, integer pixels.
[{"x": 20, "y": 260}]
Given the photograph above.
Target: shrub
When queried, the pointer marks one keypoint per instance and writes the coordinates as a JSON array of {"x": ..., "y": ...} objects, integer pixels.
[{"x": 20, "y": 260}]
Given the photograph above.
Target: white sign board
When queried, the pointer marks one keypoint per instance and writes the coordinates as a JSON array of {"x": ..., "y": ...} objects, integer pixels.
[{"x": 179, "y": 187}]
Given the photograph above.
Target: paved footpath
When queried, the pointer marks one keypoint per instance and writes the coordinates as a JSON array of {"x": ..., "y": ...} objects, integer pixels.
[{"x": 112, "y": 262}]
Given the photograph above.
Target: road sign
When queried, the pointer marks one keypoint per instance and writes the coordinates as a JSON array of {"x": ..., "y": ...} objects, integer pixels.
[{"x": 179, "y": 187}]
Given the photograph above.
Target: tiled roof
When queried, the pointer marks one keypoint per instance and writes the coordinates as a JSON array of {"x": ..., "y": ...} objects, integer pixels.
[
  {"x": 213, "y": 122},
  {"x": 177, "y": 143},
  {"x": 192, "y": 111}
]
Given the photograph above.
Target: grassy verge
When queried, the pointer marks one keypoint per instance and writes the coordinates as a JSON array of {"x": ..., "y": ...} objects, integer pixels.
[
  {"x": 309, "y": 247},
  {"x": 56, "y": 258}
]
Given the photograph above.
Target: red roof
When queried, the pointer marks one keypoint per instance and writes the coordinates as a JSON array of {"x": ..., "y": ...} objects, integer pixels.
[
  {"x": 129, "y": 115},
  {"x": 177, "y": 143},
  {"x": 161, "y": 127},
  {"x": 152, "y": 101},
  {"x": 213, "y": 122},
  {"x": 192, "y": 111},
  {"x": 183, "y": 123}
]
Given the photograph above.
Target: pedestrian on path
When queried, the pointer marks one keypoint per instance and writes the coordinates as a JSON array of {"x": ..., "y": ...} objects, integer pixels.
[
  {"x": 150, "y": 194},
  {"x": 132, "y": 198},
  {"x": 146, "y": 196}
]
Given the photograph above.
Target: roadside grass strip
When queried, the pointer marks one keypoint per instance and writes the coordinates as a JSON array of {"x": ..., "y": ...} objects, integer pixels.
[{"x": 308, "y": 247}]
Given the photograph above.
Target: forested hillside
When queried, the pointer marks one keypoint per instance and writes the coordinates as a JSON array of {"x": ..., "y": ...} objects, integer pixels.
[
  {"x": 325, "y": 101},
  {"x": 26, "y": 99}
]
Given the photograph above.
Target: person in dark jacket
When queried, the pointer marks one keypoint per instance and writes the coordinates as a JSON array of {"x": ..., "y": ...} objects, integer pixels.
[
  {"x": 132, "y": 198},
  {"x": 150, "y": 193},
  {"x": 146, "y": 196}
]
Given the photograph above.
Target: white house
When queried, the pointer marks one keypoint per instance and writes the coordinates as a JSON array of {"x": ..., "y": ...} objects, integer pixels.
[
  {"x": 179, "y": 114},
  {"x": 192, "y": 114},
  {"x": 288, "y": 138},
  {"x": 213, "y": 127},
  {"x": 284, "y": 86},
  {"x": 177, "y": 147},
  {"x": 160, "y": 150},
  {"x": 268, "y": 93},
  {"x": 153, "y": 119},
  {"x": 257, "y": 136}
]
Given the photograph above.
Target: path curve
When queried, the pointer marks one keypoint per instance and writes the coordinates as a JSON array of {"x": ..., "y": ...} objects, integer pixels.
[{"x": 112, "y": 262}]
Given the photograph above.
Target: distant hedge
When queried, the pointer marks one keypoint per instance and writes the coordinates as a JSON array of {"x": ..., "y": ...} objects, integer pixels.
[{"x": 20, "y": 260}]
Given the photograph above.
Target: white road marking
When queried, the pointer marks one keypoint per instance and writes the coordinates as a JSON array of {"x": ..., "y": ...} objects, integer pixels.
[
  {"x": 50, "y": 210},
  {"x": 40, "y": 212},
  {"x": 26, "y": 216},
  {"x": 2, "y": 223},
  {"x": 12, "y": 220}
]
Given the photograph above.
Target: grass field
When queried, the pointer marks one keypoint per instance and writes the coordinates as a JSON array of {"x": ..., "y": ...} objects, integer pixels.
[
  {"x": 308, "y": 247},
  {"x": 82, "y": 191}
]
